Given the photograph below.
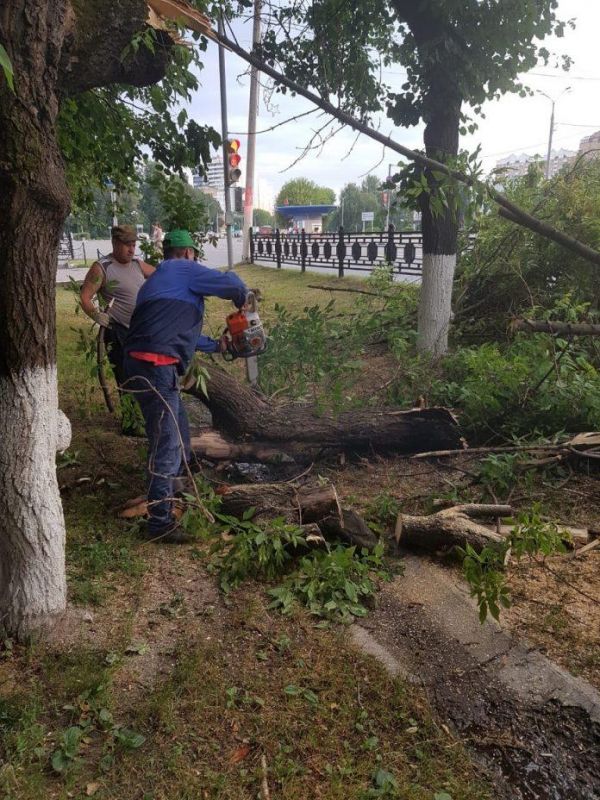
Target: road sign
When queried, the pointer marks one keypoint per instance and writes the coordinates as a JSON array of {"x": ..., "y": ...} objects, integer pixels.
[{"x": 368, "y": 216}]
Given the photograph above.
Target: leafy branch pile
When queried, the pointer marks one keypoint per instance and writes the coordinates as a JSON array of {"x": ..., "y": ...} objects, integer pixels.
[{"x": 333, "y": 583}]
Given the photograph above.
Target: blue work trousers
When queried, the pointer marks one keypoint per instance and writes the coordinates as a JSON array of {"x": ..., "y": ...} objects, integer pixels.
[{"x": 167, "y": 428}]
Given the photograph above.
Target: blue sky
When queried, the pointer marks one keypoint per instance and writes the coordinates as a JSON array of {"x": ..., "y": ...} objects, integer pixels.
[{"x": 512, "y": 125}]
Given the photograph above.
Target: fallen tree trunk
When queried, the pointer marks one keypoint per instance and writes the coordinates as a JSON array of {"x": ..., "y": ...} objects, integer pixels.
[
  {"x": 552, "y": 326},
  {"x": 353, "y": 529},
  {"x": 300, "y": 430},
  {"x": 452, "y": 527}
]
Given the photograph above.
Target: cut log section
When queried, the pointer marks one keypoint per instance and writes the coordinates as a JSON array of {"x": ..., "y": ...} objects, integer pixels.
[
  {"x": 307, "y": 506},
  {"x": 299, "y": 430},
  {"x": 449, "y": 528},
  {"x": 271, "y": 500}
]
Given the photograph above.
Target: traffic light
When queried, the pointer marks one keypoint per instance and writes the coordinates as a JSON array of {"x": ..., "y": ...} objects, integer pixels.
[
  {"x": 238, "y": 198},
  {"x": 234, "y": 173}
]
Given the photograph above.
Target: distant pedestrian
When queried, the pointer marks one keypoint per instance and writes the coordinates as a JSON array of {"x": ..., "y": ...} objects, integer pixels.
[
  {"x": 157, "y": 235},
  {"x": 165, "y": 331}
]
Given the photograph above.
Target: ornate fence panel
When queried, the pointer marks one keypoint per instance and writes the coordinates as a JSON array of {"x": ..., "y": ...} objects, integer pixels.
[{"x": 342, "y": 251}]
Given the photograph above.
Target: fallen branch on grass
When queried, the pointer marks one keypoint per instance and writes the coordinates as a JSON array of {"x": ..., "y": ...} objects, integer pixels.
[
  {"x": 555, "y": 327},
  {"x": 347, "y": 289}
]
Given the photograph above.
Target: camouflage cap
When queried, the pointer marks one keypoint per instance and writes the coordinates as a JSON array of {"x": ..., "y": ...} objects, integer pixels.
[{"x": 124, "y": 233}]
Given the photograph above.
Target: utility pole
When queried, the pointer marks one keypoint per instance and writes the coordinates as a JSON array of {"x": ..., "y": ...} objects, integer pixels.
[
  {"x": 252, "y": 114},
  {"x": 225, "y": 136},
  {"x": 551, "y": 134}
]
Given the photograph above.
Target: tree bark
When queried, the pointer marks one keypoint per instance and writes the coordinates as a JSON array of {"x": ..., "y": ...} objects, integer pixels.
[
  {"x": 40, "y": 37},
  {"x": 298, "y": 429},
  {"x": 33, "y": 206},
  {"x": 308, "y": 506}
]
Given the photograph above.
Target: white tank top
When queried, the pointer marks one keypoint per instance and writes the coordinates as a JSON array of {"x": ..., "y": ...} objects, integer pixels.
[{"x": 121, "y": 283}]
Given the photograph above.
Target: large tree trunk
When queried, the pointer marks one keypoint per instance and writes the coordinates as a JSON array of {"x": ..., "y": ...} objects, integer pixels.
[
  {"x": 440, "y": 231},
  {"x": 33, "y": 206},
  {"x": 300, "y": 430},
  {"x": 49, "y": 44}
]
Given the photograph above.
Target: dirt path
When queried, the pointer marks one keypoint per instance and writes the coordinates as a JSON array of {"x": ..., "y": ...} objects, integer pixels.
[{"x": 535, "y": 726}]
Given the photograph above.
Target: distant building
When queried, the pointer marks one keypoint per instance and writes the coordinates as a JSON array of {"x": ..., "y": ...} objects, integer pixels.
[
  {"x": 516, "y": 166},
  {"x": 590, "y": 143},
  {"x": 214, "y": 181},
  {"x": 305, "y": 218}
]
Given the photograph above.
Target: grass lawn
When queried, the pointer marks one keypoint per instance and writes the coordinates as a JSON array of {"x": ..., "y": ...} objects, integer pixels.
[{"x": 163, "y": 688}]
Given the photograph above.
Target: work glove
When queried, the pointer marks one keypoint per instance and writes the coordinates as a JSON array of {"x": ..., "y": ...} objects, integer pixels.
[{"x": 101, "y": 318}]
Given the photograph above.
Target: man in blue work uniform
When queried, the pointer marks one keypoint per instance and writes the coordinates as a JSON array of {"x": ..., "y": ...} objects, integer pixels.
[{"x": 164, "y": 332}]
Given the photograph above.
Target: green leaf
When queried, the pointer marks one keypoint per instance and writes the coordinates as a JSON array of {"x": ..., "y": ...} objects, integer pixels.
[
  {"x": 129, "y": 738},
  {"x": 59, "y": 760},
  {"x": 7, "y": 68}
]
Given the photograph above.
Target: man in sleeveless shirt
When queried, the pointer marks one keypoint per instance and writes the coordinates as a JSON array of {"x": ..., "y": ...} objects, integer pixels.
[{"x": 117, "y": 278}]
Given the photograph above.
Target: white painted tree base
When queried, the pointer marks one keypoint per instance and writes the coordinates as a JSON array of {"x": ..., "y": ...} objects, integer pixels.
[
  {"x": 32, "y": 528},
  {"x": 435, "y": 305}
]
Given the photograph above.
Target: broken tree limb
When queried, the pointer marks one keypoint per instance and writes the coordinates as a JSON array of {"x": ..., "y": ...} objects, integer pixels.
[
  {"x": 449, "y": 528},
  {"x": 576, "y": 537},
  {"x": 101, "y": 360},
  {"x": 551, "y": 326},
  {"x": 515, "y": 213},
  {"x": 308, "y": 506},
  {"x": 352, "y": 290},
  {"x": 300, "y": 430},
  {"x": 501, "y": 449}
]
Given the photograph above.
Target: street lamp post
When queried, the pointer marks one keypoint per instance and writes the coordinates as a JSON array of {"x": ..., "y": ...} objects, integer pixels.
[{"x": 551, "y": 133}]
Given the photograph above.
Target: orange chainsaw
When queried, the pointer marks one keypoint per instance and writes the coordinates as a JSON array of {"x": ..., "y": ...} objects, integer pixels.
[{"x": 245, "y": 334}]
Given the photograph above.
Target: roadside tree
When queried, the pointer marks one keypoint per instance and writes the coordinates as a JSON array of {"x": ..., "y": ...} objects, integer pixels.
[
  {"x": 77, "y": 72},
  {"x": 456, "y": 55}
]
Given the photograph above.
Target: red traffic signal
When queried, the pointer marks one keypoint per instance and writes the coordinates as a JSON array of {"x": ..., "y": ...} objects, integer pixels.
[{"x": 233, "y": 159}]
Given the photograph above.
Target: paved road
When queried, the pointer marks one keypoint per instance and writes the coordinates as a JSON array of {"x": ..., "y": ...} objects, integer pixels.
[{"x": 213, "y": 256}]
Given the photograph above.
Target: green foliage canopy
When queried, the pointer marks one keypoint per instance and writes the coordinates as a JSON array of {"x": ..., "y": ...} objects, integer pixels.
[
  {"x": 302, "y": 192},
  {"x": 464, "y": 50},
  {"x": 108, "y": 133}
]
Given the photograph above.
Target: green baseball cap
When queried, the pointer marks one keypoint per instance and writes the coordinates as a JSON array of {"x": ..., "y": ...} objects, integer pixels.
[{"x": 179, "y": 238}]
